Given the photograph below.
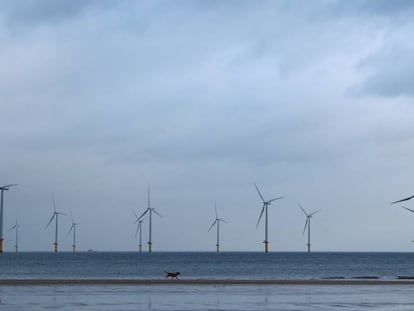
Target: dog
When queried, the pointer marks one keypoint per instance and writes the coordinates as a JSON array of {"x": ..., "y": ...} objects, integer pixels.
[{"x": 172, "y": 275}]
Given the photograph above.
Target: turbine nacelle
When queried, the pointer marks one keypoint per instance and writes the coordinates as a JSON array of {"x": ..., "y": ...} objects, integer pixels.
[
  {"x": 72, "y": 227},
  {"x": 265, "y": 204},
  {"x": 308, "y": 217},
  {"x": 217, "y": 220},
  {"x": 6, "y": 187}
]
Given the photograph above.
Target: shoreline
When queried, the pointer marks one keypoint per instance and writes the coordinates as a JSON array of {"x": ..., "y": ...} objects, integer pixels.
[{"x": 201, "y": 282}]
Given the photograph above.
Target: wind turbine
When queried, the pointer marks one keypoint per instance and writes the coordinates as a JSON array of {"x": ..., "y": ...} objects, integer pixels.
[
  {"x": 264, "y": 209},
  {"x": 55, "y": 216},
  {"x": 73, "y": 227},
  {"x": 307, "y": 224},
  {"x": 16, "y": 227},
  {"x": 139, "y": 229},
  {"x": 217, "y": 222},
  {"x": 150, "y": 210},
  {"x": 2, "y": 189}
]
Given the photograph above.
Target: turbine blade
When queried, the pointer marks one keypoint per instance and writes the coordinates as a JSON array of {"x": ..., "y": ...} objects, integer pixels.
[
  {"x": 408, "y": 209},
  {"x": 222, "y": 220},
  {"x": 53, "y": 216},
  {"x": 260, "y": 217},
  {"x": 212, "y": 225},
  {"x": 143, "y": 214},
  {"x": 136, "y": 231},
  {"x": 53, "y": 200},
  {"x": 275, "y": 199},
  {"x": 15, "y": 226},
  {"x": 402, "y": 200},
  {"x": 215, "y": 209},
  {"x": 70, "y": 230},
  {"x": 306, "y": 224},
  {"x": 71, "y": 215},
  {"x": 156, "y": 212},
  {"x": 258, "y": 191},
  {"x": 136, "y": 216},
  {"x": 315, "y": 212},
  {"x": 303, "y": 210},
  {"x": 149, "y": 195}
]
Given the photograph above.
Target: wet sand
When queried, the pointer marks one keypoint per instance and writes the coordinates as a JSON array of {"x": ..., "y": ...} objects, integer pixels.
[{"x": 146, "y": 282}]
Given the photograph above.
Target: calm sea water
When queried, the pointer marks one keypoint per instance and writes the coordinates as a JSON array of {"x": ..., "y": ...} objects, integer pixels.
[
  {"x": 242, "y": 265},
  {"x": 238, "y": 265}
]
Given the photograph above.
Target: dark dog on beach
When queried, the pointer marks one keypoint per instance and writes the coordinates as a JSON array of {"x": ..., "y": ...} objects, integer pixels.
[{"x": 172, "y": 275}]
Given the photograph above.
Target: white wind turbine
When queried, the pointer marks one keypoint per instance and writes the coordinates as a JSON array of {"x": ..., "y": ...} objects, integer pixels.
[
  {"x": 264, "y": 209},
  {"x": 150, "y": 210},
  {"x": 2, "y": 189},
  {"x": 55, "y": 216},
  {"x": 16, "y": 228},
  {"x": 307, "y": 224},
  {"x": 139, "y": 230},
  {"x": 217, "y": 223},
  {"x": 73, "y": 228}
]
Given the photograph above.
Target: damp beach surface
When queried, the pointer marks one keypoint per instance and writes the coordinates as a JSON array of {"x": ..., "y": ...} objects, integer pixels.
[{"x": 211, "y": 297}]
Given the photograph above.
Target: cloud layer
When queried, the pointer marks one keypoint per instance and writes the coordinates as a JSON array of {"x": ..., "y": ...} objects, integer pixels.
[{"x": 312, "y": 101}]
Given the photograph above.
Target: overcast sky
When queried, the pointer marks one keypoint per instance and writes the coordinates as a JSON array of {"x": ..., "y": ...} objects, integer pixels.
[{"x": 312, "y": 100}]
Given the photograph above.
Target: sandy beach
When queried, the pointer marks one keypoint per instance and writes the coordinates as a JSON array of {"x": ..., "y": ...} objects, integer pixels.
[{"x": 146, "y": 282}]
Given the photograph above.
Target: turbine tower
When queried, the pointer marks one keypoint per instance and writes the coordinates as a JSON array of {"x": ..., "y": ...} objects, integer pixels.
[
  {"x": 139, "y": 229},
  {"x": 55, "y": 216},
  {"x": 264, "y": 209},
  {"x": 2, "y": 189},
  {"x": 307, "y": 224},
  {"x": 16, "y": 227},
  {"x": 150, "y": 210},
  {"x": 73, "y": 227},
  {"x": 217, "y": 222}
]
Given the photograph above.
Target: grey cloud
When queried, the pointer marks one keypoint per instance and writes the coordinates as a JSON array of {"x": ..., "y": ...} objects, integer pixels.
[
  {"x": 34, "y": 12},
  {"x": 393, "y": 9},
  {"x": 202, "y": 96},
  {"x": 391, "y": 73}
]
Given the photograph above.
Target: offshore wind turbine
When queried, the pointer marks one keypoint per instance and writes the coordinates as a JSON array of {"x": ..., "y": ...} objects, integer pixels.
[
  {"x": 150, "y": 210},
  {"x": 264, "y": 209},
  {"x": 307, "y": 224},
  {"x": 16, "y": 227},
  {"x": 217, "y": 223},
  {"x": 139, "y": 229},
  {"x": 55, "y": 216},
  {"x": 2, "y": 189},
  {"x": 73, "y": 228}
]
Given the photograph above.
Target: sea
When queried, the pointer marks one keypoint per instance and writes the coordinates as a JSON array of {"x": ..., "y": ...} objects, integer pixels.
[{"x": 206, "y": 265}]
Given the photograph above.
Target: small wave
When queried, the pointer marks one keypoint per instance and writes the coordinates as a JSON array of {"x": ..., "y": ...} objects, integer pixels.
[{"x": 360, "y": 277}]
